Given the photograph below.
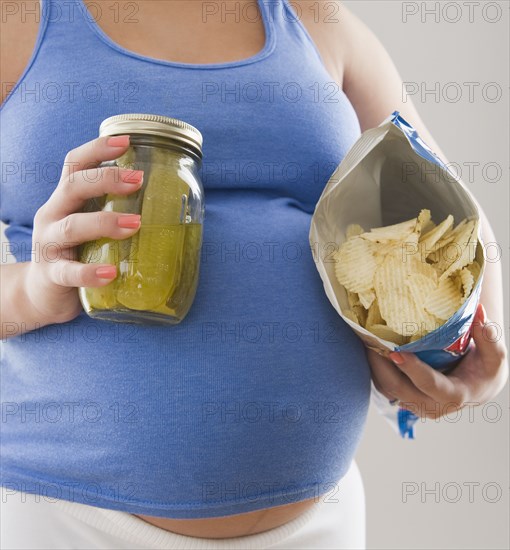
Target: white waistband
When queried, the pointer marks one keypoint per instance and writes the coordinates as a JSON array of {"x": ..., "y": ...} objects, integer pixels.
[
  {"x": 336, "y": 520},
  {"x": 128, "y": 526}
]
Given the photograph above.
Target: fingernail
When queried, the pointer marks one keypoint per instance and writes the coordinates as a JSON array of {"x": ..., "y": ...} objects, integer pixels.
[
  {"x": 130, "y": 221},
  {"x": 118, "y": 141},
  {"x": 106, "y": 272},
  {"x": 131, "y": 176},
  {"x": 397, "y": 357}
]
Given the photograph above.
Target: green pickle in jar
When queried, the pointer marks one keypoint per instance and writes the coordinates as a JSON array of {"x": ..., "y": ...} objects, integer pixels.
[{"x": 158, "y": 267}]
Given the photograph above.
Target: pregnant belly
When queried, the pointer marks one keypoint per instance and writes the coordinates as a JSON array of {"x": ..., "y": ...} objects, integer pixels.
[
  {"x": 238, "y": 525},
  {"x": 256, "y": 401}
]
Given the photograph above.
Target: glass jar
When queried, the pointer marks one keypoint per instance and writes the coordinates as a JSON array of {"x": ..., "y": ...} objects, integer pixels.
[{"x": 157, "y": 268}]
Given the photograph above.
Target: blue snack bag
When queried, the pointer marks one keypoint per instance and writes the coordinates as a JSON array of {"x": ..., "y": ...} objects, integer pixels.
[{"x": 390, "y": 176}]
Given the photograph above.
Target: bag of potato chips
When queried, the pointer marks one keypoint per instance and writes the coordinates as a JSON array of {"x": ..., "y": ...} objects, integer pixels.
[{"x": 409, "y": 262}]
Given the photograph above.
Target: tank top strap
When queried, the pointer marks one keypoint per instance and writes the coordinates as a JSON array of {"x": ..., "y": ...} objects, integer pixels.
[
  {"x": 55, "y": 12},
  {"x": 287, "y": 19}
]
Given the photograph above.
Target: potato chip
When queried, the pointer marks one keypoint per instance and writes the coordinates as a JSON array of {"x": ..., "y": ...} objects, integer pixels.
[
  {"x": 366, "y": 298},
  {"x": 356, "y": 307},
  {"x": 385, "y": 332},
  {"x": 429, "y": 240},
  {"x": 351, "y": 316},
  {"x": 361, "y": 314},
  {"x": 421, "y": 287},
  {"x": 397, "y": 232},
  {"x": 395, "y": 300},
  {"x": 374, "y": 315},
  {"x": 475, "y": 269},
  {"x": 420, "y": 267},
  {"x": 468, "y": 281},
  {"x": 453, "y": 234},
  {"x": 423, "y": 221},
  {"x": 353, "y": 230},
  {"x": 405, "y": 280},
  {"x": 445, "y": 300},
  {"x": 356, "y": 265},
  {"x": 428, "y": 227},
  {"x": 451, "y": 246},
  {"x": 467, "y": 242},
  {"x": 352, "y": 299},
  {"x": 383, "y": 249}
]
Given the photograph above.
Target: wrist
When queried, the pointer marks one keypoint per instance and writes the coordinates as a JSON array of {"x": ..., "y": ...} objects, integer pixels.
[{"x": 30, "y": 288}]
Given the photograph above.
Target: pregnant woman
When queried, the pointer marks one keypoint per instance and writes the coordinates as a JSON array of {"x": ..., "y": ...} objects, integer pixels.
[{"x": 236, "y": 428}]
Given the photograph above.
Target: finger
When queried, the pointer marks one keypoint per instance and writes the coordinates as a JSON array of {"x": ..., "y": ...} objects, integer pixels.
[
  {"x": 83, "y": 227},
  {"x": 488, "y": 337},
  {"x": 428, "y": 380},
  {"x": 396, "y": 385},
  {"x": 93, "y": 153},
  {"x": 68, "y": 273},
  {"x": 378, "y": 364},
  {"x": 72, "y": 192}
]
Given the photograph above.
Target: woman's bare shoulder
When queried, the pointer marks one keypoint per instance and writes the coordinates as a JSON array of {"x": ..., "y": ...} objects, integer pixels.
[
  {"x": 331, "y": 26},
  {"x": 18, "y": 33}
]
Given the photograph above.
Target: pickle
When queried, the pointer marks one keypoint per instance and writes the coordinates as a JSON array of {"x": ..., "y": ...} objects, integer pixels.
[
  {"x": 181, "y": 299},
  {"x": 101, "y": 251},
  {"x": 188, "y": 280},
  {"x": 157, "y": 250},
  {"x": 105, "y": 250},
  {"x": 132, "y": 159}
]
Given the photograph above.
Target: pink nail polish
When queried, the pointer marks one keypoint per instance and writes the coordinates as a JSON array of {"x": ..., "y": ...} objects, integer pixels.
[
  {"x": 129, "y": 221},
  {"x": 397, "y": 357},
  {"x": 106, "y": 272},
  {"x": 131, "y": 176},
  {"x": 118, "y": 141}
]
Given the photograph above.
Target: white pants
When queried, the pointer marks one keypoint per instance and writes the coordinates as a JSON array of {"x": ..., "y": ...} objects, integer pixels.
[{"x": 335, "y": 521}]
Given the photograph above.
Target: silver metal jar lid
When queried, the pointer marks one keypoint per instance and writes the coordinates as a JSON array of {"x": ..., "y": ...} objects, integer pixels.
[{"x": 155, "y": 125}]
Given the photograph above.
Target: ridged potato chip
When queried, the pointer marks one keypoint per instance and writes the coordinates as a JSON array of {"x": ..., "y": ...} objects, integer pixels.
[
  {"x": 467, "y": 242},
  {"x": 353, "y": 299},
  {"x": 356, "y": 265},
  {"x": 405, "y": 280},
  {"x": 374, "y": 315},
  {"x": 423, "y": 221},
  {"x": 468, "y": 281},
  {"x": 396, "y": 302},
  {"x": 429, "y": 240},
  {"x": 366, "y": 298},
  {"x": 421, "y": 287},
  {"x": 445, "y": 300},
  {"x": 475, "y": 269},
  {"x": 453, "y": 234},
  {"x": 428, "y": 227},
  {"x": 418, "y": 266},
  {"x": 397, "y": 232}
]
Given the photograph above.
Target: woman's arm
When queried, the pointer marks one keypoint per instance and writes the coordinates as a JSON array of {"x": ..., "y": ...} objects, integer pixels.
[
  {"x": 358, "y": 61},
  {"x": 374, "y": 87}
]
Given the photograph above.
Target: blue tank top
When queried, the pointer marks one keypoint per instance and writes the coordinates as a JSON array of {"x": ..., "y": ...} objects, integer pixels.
[{"x": 259, "y": 397}]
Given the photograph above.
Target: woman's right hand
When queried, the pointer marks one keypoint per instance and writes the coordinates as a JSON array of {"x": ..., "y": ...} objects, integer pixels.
[{"x": 54, "y": 273}]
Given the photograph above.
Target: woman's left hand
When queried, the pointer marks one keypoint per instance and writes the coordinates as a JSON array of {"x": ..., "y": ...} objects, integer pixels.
[{"x": 478, "y": 377}]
